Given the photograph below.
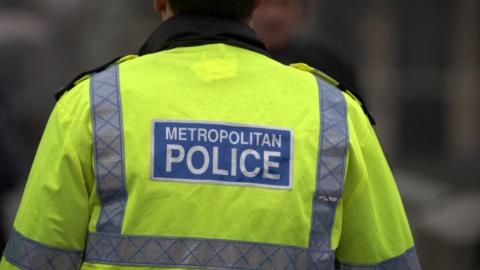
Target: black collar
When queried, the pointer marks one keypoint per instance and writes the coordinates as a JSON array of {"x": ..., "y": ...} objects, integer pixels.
[{"x": 194, "y": 30}]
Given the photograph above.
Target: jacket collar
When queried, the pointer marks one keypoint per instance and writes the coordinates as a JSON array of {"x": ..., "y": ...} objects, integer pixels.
[{"x": 193, "y": 30}]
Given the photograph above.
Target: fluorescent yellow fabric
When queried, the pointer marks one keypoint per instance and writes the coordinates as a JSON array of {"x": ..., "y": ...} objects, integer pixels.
[
  {"x": 214, "y": 83},
  {"x": 218, "y": 84},
  {"x": 53, "y": 208},
  {"x": 370, "y": 222},
  {"x": 373, "y": 225}
]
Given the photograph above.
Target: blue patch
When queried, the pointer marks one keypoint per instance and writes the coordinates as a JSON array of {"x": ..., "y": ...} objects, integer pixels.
[{"x": 206, "y": 152}]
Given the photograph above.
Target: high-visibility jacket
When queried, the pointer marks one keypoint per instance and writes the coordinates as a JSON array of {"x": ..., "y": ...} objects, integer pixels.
[{"x": 209, "y": 157}]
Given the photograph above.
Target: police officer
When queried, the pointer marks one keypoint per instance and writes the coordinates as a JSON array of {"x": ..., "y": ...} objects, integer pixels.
[{"x": 205, "y": 153}]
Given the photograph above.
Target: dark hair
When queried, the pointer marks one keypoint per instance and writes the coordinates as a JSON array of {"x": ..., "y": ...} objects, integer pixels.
[{"x": 231, "y": 9}]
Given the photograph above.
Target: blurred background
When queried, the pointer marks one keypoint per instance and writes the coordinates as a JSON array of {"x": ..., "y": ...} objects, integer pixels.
[{"x": 416, "y": 63}]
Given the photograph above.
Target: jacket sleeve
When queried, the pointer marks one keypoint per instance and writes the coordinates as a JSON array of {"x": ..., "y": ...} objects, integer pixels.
[
  {"x": 51, "y": 224},
  {"x": 375, "y": 233}
]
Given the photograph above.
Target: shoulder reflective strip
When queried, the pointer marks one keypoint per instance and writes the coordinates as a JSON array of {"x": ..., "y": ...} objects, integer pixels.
[
  {"x": 406, "y": 261},
  {"x": 29, "y": 254},
  {"x": 108, "y": 149},
  {"x": 202, "y": 253},
  {"x": 333, "y": 147}
]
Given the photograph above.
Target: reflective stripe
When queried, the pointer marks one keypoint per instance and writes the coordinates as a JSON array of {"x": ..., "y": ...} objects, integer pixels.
[
  {"x": 333, "y": 147},
  {"x": 406, "y": 261},
  {"x": 29, "y": 254},
  {"x": 204, "y": 253},
  {"x": 108, "y": 149}
]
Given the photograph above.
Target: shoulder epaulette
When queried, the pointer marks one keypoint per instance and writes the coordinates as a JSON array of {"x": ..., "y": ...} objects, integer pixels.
[
  {"x": 85, "y": 75},
  {"x": 338, "y": 85}
]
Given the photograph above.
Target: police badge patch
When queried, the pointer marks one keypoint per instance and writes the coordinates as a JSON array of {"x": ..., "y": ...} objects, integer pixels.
[{"x": 222, "y": 153}]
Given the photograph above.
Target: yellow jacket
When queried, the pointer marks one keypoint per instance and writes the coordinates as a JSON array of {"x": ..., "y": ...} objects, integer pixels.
[{"x": 209, "y": 157}]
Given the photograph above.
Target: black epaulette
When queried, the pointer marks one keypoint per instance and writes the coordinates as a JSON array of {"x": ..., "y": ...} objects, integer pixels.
[
  {"x": 82, "y": 75},
  {"x": 340, "y": 86},
  {"x": 360, "y": 99}
]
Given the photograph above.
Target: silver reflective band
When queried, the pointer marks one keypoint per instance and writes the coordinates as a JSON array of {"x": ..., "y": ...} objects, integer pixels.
[
  {"x": 28, "y": 254},
  {"x": 113, "y": 249},
  {"x": 406, "y": 261},
  {"x": 108, "y": 149},
  {"x": 333, "y": 147}
]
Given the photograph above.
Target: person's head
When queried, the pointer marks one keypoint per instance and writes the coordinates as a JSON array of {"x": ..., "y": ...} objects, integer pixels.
[
  {"x": 230, "y": 9},
  {"x": 275, "y": 21}
]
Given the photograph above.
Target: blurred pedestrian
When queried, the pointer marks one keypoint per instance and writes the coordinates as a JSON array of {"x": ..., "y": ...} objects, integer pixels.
[{"x": 277, "y": 23}]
